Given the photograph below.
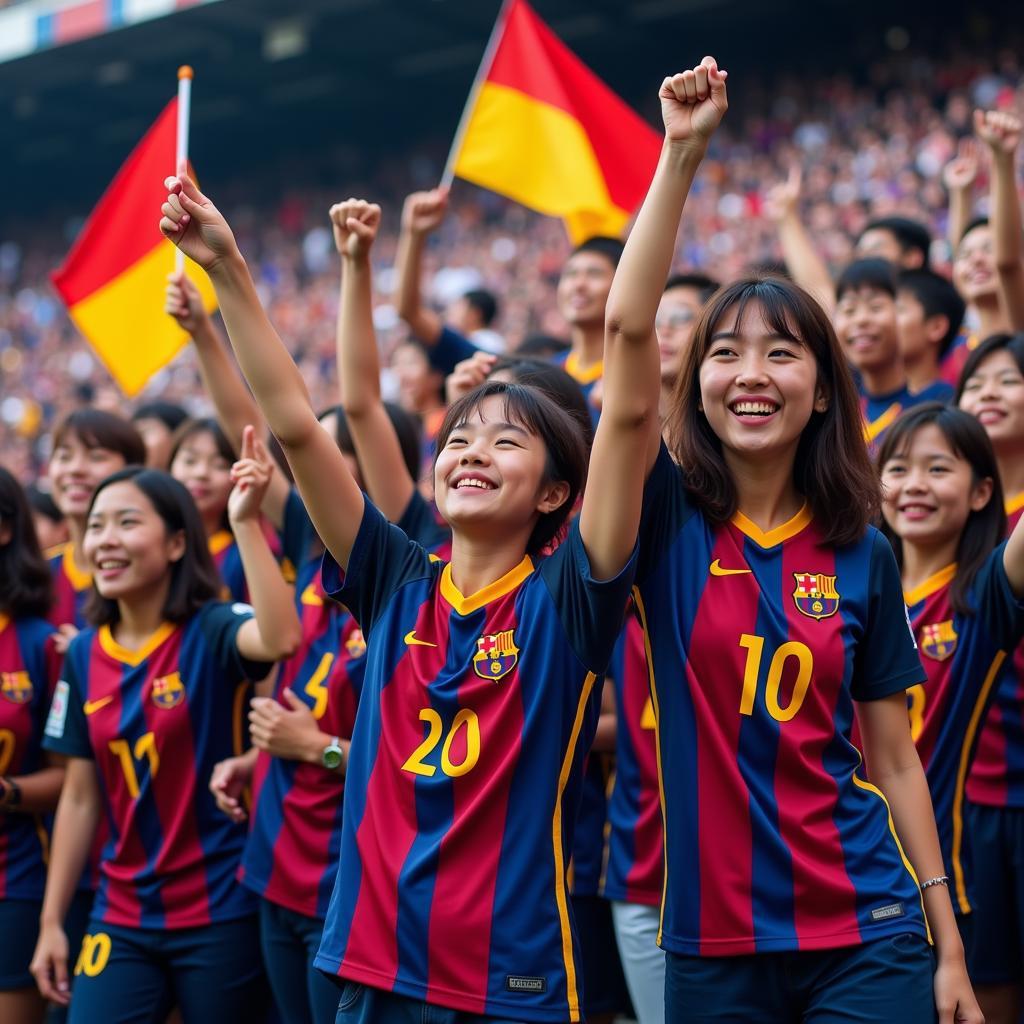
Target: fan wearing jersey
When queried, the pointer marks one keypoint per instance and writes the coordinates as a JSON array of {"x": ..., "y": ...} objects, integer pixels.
[
  {"x": 30, "y": 780},
  {"x": 772, "y": 609},
  {"x": 478, "y": 697},
  {"x": 150, "y": 699},
  {"x": 943, "y": 508},
  {"x": 992, "y": 390}
]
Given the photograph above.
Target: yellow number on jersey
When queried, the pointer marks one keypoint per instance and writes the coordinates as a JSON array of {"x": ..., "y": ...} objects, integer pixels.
[
  {"x": 916, "y": 700},
  {"x": 145, "y": 746},
  {"x": 647, "y": 720},
  {"x": 435, "y": 727},
  {"x": 317, "y": 685},
  {"x": 754, "y": 646},
  {"x": 6, "y": 749},
  {"x": 94, "y": 955}
]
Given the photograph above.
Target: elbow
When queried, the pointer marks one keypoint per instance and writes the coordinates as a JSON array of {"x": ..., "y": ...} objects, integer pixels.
[
  {"x": 620, "y": 329},
  {"x": 287, "y": 643},
  {"x": 1008, "y": 264}
]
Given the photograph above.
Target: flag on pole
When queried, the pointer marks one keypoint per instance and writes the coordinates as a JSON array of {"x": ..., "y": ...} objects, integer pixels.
[
  {"x": 114, "y": 277},
  {"x": 541, "y": 128}
]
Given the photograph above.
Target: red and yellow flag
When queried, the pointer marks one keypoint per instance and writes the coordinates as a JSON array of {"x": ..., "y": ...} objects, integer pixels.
[
  {"x": 544, "y": 130},
  {"x": 113, "y": 279}
]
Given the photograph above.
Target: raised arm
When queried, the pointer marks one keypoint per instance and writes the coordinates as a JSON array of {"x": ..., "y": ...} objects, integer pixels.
[
  {"x": 958, "y": 177},
  {"x": 627, "y": 438},
  {"x": 421, "y": 214},
  {"x": 234, "y": 404},
  {"x": 801, "y": 258},
  {"x": 385, "y": 476},
  {"x": 333, "y": 500},
  {"x": 1001, "y": 132}
]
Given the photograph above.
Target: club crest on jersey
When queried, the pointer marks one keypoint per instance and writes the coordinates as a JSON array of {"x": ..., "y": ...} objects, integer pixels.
[
  {"x": 168, "y": 691},
  {"x": 815, "y": 594},
  {"x": 355, "y": 644},
  {"x": 938, "y": 640},
  {"x": 496, "y": 655},
  {"x": 16, "y": 687}
]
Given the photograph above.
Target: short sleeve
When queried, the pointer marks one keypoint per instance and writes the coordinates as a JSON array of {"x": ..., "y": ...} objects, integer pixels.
[
  {"x": 66, "y": 730},
  {"x": 383, "y": 559},
  {"x": 296, "y": 531},
  {"x": 995, "y": 603},
  {"x": 451, "y": 348},
  {"x": 219, "y": 625},
  {"x": 886, "y": 660},
  {"x": 592, "y": 611},
  {"x": 666, "y": 508},
  {"x": 419, "y": 523}
]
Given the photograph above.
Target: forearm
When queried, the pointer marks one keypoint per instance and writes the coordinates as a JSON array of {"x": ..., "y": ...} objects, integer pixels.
[
  {"x": 358, "y": 359},
  {"x": 267, "y": 365},
  {"x": 959, "y": 216},
  {"x": 40, "y": 791},
  {"x": 647, "y": 257},
  {"x": 803, "y": 262},
  {"x": 73, "y": 830},
  {"x": 424, "y": 323},
  {"x": 1008, "y": 246}
]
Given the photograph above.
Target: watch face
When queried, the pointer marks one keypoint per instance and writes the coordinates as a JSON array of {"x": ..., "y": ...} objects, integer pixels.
[{"x": 332, "y": 757}]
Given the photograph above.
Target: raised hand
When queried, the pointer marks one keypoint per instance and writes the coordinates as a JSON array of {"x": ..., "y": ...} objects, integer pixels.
[
  {"x": 194, "y": 224},
  {"x": 961, "y": 171},
  {"x": 468, "y": 374},
  {"x": 424, "y": 211},
  {"x": 183, "y": 302},
  {"x": 782, "y": 199},
  {"x": 251, "y": 475},
  {"x": 355, "y": 223},
  {"x": 998, "y": 129},
  {"x": 693, "y": 103}
]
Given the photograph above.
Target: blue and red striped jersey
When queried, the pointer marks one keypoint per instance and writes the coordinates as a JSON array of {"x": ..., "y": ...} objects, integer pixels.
[
  {"x": 965, "y": 657},
  {"x": 291, "y": 855},
  {"x": 760, "y": 642},
  {"x": 419, "y": 523},
  {"x": 156, "y": 721},
  {"x": 71, "y": 586},
  {"x": 997, "y": 775},
  {"x": 590, "y": 839},
  {"x": 636, "y": 862},
  {"x": 29, "y": 666},
  {"x": 953, "y": 363},
  {"x": 879, "y": 411},
  {"x": 464, "y": 777}
]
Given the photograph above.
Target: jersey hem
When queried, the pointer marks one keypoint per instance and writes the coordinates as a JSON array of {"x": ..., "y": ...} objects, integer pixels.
[
  {"x": 623, "y": 895},
  {"x": 263, "y": 891},
  {"x": 768, "y": 944},
  {"x": 106, "y": 918},
  {"x": 1002, "y": 802},
  {"x": 456, "y": 1000}
]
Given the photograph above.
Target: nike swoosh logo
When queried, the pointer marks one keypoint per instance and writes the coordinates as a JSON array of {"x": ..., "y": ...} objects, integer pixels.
[
  {"x": 412, "y": 641},
  {"x": 717, "y": 570},
  {"x": 92, "y": 706}
]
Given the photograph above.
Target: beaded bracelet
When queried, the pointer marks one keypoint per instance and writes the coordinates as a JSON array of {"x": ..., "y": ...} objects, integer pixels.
[{"x": 941, "y": 880}]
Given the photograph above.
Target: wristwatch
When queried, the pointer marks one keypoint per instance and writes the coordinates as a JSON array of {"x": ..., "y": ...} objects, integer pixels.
[
  {"x": 333, "y": 755},
  {"x": 11, "y": 796}
]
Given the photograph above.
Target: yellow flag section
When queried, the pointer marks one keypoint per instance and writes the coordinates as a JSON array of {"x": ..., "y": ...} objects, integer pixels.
[
  {"x": 114, "y": 278},
  {"x": 545, "y": 131}
]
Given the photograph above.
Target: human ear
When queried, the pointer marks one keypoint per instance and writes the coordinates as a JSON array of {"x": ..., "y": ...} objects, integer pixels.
[
  {"x": 552, "y": 496},
  {"x": 176, "y": 546},
  {"x": 981, "y": 494}
]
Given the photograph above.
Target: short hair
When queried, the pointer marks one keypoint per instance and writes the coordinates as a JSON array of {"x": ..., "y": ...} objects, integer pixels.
[
  {"x": 604, "y": 245},
  {"x": 703, "y": 285},
  {"x": 974, "y": 222},
  {"x": 194, "y": 579},
  {"x": 874, "y": 273},
  {"x": 910, "y": 235},
  {"x": 484, "y": 302},
  {"x": 938, "y": 297},
  {"x": 26, "y": 586},
  {"x": 541, "y": 346},
  {"x": 170, "y": 415},
  {"x": 97, "y": 428}
]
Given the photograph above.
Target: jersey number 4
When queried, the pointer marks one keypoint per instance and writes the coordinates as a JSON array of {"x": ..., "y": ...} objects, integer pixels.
[{"x": 754, "y": 646}]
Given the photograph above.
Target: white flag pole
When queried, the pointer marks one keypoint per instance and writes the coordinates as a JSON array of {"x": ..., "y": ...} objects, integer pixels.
[{"x": 181, "y": 149}]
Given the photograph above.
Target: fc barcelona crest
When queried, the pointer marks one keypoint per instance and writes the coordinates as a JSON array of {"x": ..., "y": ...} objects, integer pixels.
[
  {"x": 938, "y": 640},
  {"x": 355, "y": 644},
  {"x": 496, "y": 655},
  {"x": 168, "y": 691},
  {"x": 16, "y": 687},
  {"x": 815, "y": 595}
]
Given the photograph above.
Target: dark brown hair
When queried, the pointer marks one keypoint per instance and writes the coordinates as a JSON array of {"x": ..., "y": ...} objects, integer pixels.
[
  {"x": 205, "y": 425},
  {"x": 26, "y": 587},
  {"x": 559, "y": 430},
  {"x": 986, "y": 527},
  {"x": 194, "y": 579},
  {"x": 1013, "y": 343},
  {"x": 832, "y": 468},
  {"x": 96, "y": 428}
]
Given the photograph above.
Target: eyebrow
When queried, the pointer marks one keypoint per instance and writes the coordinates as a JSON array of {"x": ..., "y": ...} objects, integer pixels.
[
  {"x": 117, "y": 512},
  {"x": 722, "y": 335}
]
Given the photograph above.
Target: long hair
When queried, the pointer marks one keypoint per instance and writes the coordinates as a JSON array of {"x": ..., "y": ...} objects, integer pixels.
[
  {"x": 984, "y": 528},
  {"x": 194, "y": 579},
  {"x": 205, "y": 425},
  {"x": 832, "y": 468},
  {"x": 559, "y": 430},
  {"x": 1013, "y": 343},
  {"x": 26, "y": 587}
]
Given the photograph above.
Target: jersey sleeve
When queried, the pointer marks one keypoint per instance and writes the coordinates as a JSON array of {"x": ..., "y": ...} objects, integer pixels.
[
  {"x": 219, "y": 625},
  {"x": 66, "y": 730},
  {"x": 383, "y": 559},
  {"x": 666, "y": 507},
  {"x": 419, "y": 523},
  {"x": 592, "y": 611},
  {"x": 886, "y": 660},
  {"x": 995, "y": 603},
  {"x": 451, "y": 348},
  {"x": 296, "y": 531}
]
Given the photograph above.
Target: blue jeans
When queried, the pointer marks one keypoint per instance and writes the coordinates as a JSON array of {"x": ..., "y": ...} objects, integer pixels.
[
  {"x": 289, "y": 941},
  {"x": 361, "y": 1004},
  {"x": 877, "y": 983}
]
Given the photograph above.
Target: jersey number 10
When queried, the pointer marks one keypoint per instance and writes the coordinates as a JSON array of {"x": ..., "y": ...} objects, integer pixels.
[{"x": 754, "y": 646}]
